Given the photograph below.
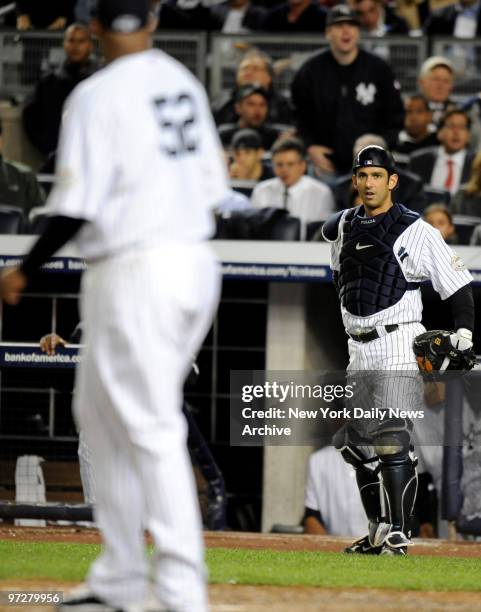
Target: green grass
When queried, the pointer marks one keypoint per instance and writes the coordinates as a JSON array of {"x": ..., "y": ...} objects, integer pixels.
[
  {"x": 339, "y": 570},
  {"x": 55, "y": 560},
  {"x": 69, "y": 562}
]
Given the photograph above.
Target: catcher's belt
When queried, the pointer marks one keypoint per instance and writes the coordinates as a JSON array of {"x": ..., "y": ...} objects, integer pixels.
[{"x": 373, "y": 334}]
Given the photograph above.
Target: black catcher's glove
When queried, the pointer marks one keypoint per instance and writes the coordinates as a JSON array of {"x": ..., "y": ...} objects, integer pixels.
[{"x": 436, "y": 352}]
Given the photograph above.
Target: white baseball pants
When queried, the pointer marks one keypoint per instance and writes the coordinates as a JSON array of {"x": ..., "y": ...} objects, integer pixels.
[{"x": 145, "y": 315}]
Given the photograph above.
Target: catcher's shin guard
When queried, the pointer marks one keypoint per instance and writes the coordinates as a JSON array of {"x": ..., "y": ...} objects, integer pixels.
[
  {"x": 370, "y": 489},
  {"x": 367, "y": 478},
  {"x": 399, "y": 484}
]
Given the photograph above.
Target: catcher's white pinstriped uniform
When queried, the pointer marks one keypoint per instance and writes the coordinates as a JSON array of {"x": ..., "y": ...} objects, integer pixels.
[
  {"x": 381, "y": 253},
  {"x": 422, "y": 255},
  {"x": 139, "y": 160}
]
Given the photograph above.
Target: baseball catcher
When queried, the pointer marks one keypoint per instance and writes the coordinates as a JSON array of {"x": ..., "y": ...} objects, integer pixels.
[
  {"x": 381, "y": 253},
  {"x": 438, "y": 351}
]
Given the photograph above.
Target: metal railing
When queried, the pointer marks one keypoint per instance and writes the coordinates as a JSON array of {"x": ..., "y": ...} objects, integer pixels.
[
  {"x": 404, "y": 54},
  {"x": 190, "y": 48},
  {"x": 24, "y": 56},
  {"x": 8, "y": 8}
]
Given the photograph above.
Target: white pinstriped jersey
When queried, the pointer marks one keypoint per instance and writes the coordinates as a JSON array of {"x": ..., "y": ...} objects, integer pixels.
[
  {"x": 139, "y": 157},
  {"x": 422, "y": 255}
]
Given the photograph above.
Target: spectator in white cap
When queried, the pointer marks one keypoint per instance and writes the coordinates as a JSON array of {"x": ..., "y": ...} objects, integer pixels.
[{"x": 436, "y": 83}]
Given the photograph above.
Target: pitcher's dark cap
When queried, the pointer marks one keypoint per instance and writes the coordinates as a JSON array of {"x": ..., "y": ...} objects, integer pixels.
[{"x": 122, "y": 16}]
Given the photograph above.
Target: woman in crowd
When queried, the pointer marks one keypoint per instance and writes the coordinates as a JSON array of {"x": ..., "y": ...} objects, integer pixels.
[
  {"x": 467, "y": 200},
  {"x": 439, "y": 216}
]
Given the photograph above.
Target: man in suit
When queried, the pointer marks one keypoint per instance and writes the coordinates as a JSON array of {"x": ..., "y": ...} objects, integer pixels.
[
  {"x": 409, "y": 190},
  {"x": 449, "y": 165},
  {"x": 306, "y": 198}
]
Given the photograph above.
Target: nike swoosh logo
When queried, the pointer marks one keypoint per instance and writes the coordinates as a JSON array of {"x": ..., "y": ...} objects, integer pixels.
[{"x": 359, "y": 247}]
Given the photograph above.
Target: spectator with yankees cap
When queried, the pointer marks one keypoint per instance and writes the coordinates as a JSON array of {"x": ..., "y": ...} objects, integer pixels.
[
  {"x": 254, "y": 67},
  {"x": 341, "y": 93},
  {"x": 252, "y": 108}
]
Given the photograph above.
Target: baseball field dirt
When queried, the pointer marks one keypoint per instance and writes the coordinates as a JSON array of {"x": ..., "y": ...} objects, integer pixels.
[{"x": 257, "y": 598}]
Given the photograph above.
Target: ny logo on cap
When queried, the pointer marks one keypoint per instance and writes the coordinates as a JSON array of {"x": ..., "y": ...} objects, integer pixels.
[{"x": 126, "y": 24}]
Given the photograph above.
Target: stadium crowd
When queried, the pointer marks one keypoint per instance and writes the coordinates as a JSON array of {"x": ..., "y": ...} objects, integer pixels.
[
  {"x": 243, "y": 16},
  {"x": 337, "y": 98}
]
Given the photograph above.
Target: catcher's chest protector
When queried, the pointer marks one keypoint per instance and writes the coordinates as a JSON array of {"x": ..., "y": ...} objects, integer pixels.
[{"x": 370, "y": 277}]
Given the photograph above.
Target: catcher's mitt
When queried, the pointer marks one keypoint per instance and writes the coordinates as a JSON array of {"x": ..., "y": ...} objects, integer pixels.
[{"x": 435, "y": 354}]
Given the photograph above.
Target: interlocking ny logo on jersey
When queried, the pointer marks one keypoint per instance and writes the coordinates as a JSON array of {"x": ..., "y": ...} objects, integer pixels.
[
  {"x": 365, "y": 94},
  {"x": 359, "y": 247}
]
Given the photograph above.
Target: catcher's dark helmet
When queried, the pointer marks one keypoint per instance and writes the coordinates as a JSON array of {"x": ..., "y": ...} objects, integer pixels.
[{"x": 374, "y": 155}]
